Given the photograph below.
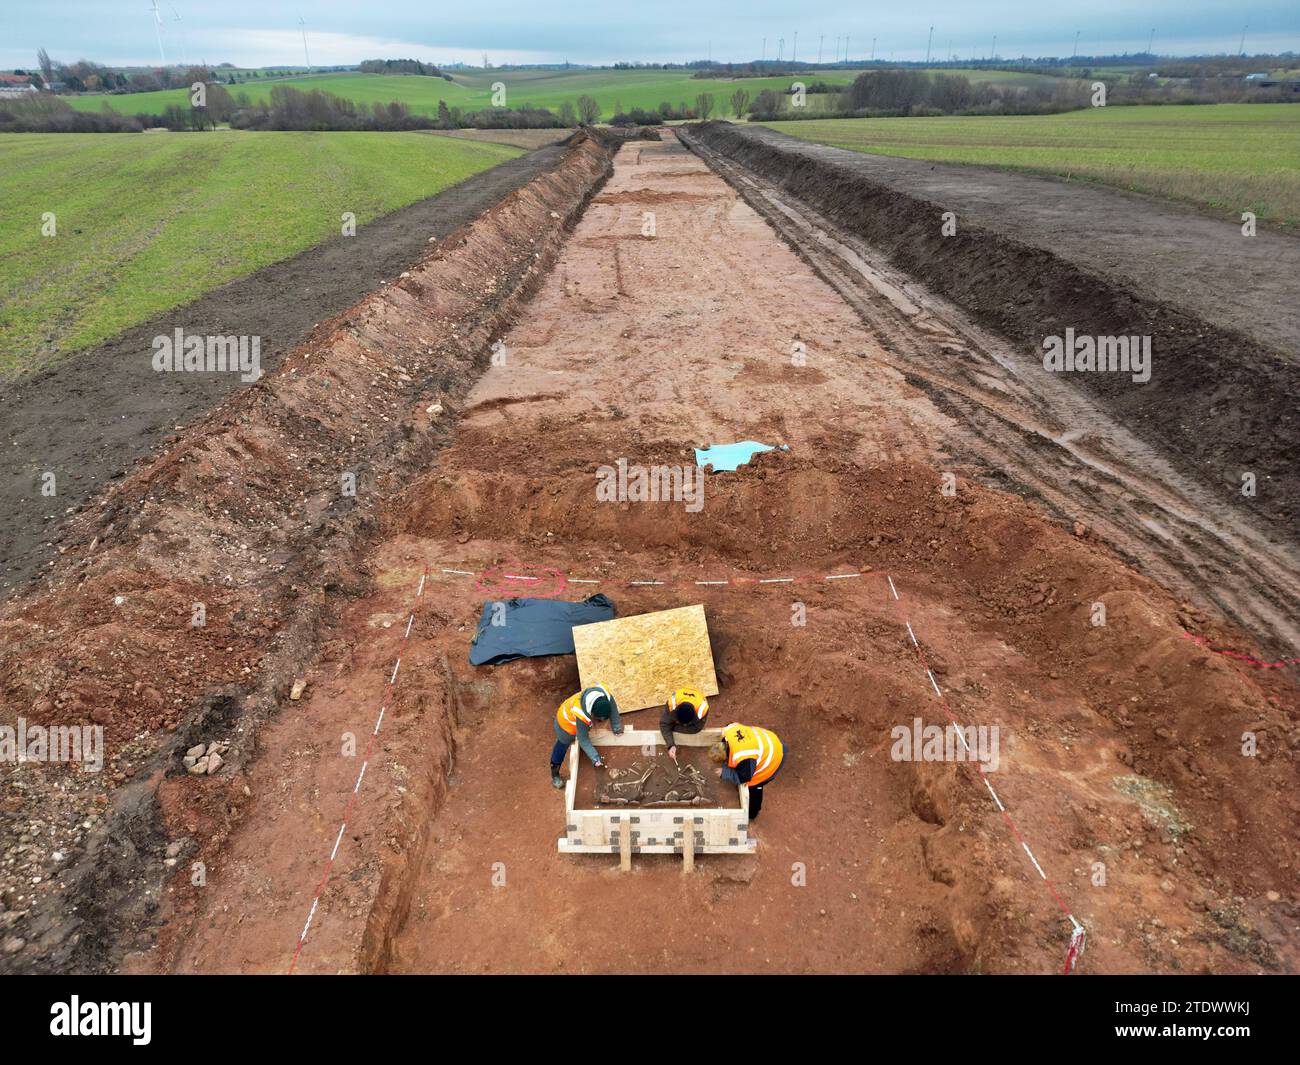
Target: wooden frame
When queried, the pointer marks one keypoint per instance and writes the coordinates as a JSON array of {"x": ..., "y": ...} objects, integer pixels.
[{"x": 632, "y": 830}]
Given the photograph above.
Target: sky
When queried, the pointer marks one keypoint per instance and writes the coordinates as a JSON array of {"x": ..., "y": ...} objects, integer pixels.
[{"x": 267, "y": 32}]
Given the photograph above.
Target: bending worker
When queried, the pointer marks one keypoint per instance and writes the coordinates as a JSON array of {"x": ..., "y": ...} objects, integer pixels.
[
  {"x": 683, "y": 712},
  {"x": 573, "y": 721},
  {"x": 752, "y": 757}
]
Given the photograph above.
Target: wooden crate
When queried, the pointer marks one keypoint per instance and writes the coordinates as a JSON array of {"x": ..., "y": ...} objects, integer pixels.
[{"x": 632, "y": 830}]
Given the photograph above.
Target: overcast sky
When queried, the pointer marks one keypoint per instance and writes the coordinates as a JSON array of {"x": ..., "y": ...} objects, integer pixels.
[{"x": 261, "y": 32}]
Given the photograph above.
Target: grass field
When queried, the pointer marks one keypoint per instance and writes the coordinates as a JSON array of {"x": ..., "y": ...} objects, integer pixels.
[
  {"x": 538, "y": 88},
  {"x": 149, "y": 221},
  {"x": 1224, "y": 157}
]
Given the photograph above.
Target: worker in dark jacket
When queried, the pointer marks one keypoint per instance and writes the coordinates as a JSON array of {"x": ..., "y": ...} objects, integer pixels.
[
  {"x": 750, "y": 756},
  {"x": 573, "y": 721},
  {"x": 683, "y": 712}
]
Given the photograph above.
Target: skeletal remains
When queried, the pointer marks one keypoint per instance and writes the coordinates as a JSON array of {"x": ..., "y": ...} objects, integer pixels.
[{"x": 675, "y": 785}]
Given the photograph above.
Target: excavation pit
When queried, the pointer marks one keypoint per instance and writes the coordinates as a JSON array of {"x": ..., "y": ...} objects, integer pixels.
[{"x": 638, "y": 829}]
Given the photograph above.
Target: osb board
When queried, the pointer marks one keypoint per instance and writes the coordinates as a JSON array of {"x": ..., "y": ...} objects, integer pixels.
[{"x": 644, "y": 658}]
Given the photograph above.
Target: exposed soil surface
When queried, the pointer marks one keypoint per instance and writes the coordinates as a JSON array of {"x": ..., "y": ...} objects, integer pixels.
[
  {"x": 520, "y": 138},
  {"x": 1031, "y": 257},
  {"x": 93, "y": 414},
  {"x": 193, "y": 593},
  {"x": 1050, "y": 437},
  {"x": 1162, "y": 250},
  {"x": 1120, "y": 744},
  {"x": 633, "y": 779}
]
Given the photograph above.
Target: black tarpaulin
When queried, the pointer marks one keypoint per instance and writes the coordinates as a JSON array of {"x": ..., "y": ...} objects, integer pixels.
[{"x": 530, "y": 628}]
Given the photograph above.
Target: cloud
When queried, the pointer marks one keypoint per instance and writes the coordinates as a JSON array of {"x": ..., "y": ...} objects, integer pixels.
[{"x": 255, "y": 47}]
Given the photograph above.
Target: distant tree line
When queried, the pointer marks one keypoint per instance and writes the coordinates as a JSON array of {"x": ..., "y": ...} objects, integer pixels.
[
  {"x": 287, "y": 109},
  {"x": 401, "y": 66},
  {"x": 290, "y": 108},
  {"x": 911, "y": 91},
  {"x": 43, "y": 113}
]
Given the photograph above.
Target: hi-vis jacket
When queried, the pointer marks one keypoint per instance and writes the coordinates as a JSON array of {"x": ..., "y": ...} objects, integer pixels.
[
  {"x": 692, "y": 696},
  {"x": 577, "y": 708},
  {"x": 762, "y": 745}
]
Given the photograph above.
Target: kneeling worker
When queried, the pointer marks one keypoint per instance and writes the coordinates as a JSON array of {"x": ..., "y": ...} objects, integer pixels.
[
  {"x": 752, "y": 757},
  {"x": 573, "y": 721},
  {"x": 683, "y": 712}
]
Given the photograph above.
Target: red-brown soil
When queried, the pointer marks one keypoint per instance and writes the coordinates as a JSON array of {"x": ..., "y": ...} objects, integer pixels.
[
  {"x": 1121, "y": 757},
  {"x": 1120, "y": 744},
  {"x": 249, "y": 514}
]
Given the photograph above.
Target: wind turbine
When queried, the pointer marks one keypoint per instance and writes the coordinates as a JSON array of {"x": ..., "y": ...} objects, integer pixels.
[
  {"x": 157, "y": 25},
  {"x": 306, "y": 54},
  {"x": 179, "y": 33}
]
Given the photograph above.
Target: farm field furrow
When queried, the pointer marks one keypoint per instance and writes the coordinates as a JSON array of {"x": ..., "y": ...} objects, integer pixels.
[
  {"x": 1227, "y": 158},
  {"x": 164, "y": 218}
]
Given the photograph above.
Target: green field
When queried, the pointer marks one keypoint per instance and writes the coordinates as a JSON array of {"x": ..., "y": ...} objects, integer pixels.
[
  {"x": 612, "y": 89},
  {"x": 1222, "y": 157},
  {"x": 994, "y": 76},
  {"x": 149, "y": 221}
]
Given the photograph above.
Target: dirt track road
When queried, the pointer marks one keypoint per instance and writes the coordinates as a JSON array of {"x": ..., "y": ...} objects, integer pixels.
[{"x": 1119, "y": 743}]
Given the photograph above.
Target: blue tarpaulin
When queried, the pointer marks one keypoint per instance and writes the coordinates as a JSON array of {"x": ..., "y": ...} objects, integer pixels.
[
  {"x": 530, "y": 628},
  {"x": 729, "y": 456}
]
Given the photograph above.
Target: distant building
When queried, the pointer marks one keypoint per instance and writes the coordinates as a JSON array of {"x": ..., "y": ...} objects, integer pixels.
[{"x": 16, "y": 84}]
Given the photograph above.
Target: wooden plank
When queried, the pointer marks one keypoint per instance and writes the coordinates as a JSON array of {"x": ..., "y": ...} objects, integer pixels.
[
  {"x": 688, "y": 846},
  {"x": 567, "y": 846},
  {"x": 601, "y": 736},
  {"x": 642, "y": 659},
  {"x": 594, "y": 828},
  {"x": 571, "y": 785}
]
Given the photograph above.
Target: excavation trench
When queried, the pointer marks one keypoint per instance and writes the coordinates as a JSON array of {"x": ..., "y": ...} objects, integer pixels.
[
  {"x": 192, "y": 594},
  {"x": 673, "y": 316},
  {"x": 639, "y": 348},
  {"x": 1155, "y": 470}
]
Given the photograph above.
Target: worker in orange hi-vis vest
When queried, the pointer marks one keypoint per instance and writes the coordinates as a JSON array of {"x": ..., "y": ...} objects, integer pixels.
[
  {"x": 573, "y": 721},
  {"x": 750, "y": 756},
  {"x": 683, "y": 712}
]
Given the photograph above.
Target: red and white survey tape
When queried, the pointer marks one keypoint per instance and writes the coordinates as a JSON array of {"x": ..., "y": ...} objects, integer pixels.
[
  {"x": 1078, "y": 936},
  {"x": 507, "y": 578},
  {"x": 365, "y": 761},
  {"x": 1237, "y": 656},
  {"x": 503, "y": 579}
]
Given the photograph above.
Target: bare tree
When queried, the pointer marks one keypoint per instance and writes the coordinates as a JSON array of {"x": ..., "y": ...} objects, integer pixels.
[
  {"x": 47, "y": 66},
  {"x": 588, "y": 110},
  {"x": 739, "y": 101},
  {"x": 704, "y": 105}
]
